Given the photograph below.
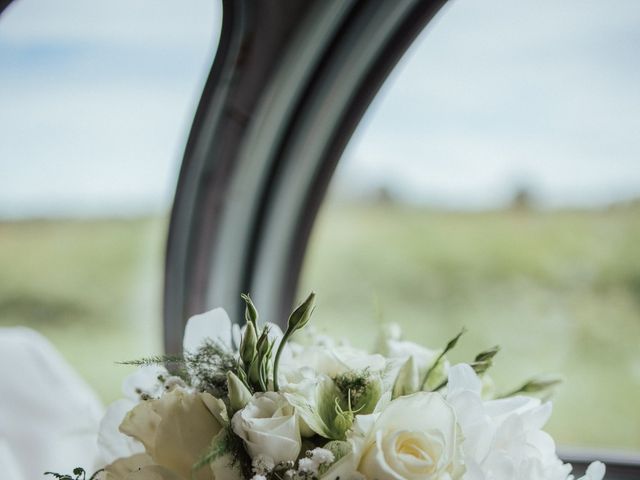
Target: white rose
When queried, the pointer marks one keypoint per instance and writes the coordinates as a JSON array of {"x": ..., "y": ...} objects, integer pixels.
[
  {"x": 414, "y": 437},
  {"x": 269, "y": 426}
]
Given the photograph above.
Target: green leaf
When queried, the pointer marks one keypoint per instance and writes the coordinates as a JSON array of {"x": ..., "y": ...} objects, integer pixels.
[
  {"x": 250, "y": 312},
  {"x": 220, "y": 445}
]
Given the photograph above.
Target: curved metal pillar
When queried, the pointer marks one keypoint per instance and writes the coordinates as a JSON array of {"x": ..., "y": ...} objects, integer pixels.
[{"x": 289, "y": 84}]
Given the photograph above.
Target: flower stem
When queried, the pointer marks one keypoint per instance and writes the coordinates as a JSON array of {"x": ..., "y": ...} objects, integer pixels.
[{"x": 276, "y": 361}]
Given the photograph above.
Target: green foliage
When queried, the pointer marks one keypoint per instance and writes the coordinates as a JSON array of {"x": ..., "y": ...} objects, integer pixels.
[
  {"x": 226, "y": 444},
  {"x": 484, "y": 360},
  {"x": 209, "y": 365},
  {"x": 78, "y": 474},
  {"x": 535, "y": 386},
  {"x": 437, "y": 364},
  {"x": 220, "y": 446}
]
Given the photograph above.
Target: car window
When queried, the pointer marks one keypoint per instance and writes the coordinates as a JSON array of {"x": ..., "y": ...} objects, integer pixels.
[
  {"x": 494, "y": 184},
  {"x": 97, "y": 100}
]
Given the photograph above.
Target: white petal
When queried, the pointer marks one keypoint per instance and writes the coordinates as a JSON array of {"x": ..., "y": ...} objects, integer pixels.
[
  {"x": 463, "y": 378},
  {"x": 213, "y": 325},
  {"x": 595, "y": 471},
  {"x": 113, "y": 444},
  {"x": 144, "y": 379}
]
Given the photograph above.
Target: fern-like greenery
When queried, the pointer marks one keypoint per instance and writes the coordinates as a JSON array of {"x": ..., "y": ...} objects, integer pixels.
[
  {"x": 78, "y": 474},
  {"x": 206, "y": 369}
]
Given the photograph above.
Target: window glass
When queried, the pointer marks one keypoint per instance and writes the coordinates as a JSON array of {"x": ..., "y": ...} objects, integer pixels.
[
  {"x": 97, "y": 100},
  {"x": 495, "y": 184}
]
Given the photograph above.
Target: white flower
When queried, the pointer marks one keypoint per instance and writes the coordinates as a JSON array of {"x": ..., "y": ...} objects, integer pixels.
[
  {"x": 213, "y": 325},
  {"x": 315, "y": 458},
  {"x": 269, "y": 426},
  {"x": 262, "y": 464},
  {"x": 332, "y": 361},
  {"x": 503, "y": 438},
  {"x": 415, "y": 437},
  {"x": 307, "y": 465},
  {"x": 144, "y": 382},
  {"x": 322, "y": 456},
  {"x": 402, "y": 349},
  {"x": 595, "y": 471},
  {"x": 176, "y": 429}
]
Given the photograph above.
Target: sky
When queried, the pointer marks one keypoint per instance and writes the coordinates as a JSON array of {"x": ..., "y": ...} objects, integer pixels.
[
  {"x": 497, "y": 95},
  {"x": 96, "y": 100}
]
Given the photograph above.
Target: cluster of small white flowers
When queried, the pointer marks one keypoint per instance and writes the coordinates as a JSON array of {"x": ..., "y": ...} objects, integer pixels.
[
  {"x": 310, "y": 465},
  {"x": 262, "y": 465}
]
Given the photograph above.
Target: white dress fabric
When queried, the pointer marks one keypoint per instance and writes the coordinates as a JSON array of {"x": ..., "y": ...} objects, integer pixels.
[{"x": 49, "y": 417}]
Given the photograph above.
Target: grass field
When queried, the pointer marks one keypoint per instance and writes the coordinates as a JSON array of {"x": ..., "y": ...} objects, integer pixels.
[
  {"x": 560, "y": 291},
  {"x": 93, "y": 288}
]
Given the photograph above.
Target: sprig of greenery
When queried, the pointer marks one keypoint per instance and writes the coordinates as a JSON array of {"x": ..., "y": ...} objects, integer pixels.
[
  {"x": 78, "y": 474},
  {"x": 535, "y": 385},
  {"x": 154, "y": 360},
  {"x": 209, "y": 366},
  {"x": 482, "y": 363},
  {"x": 450, "y": 345},
  {"x": 205, "y": 369}
]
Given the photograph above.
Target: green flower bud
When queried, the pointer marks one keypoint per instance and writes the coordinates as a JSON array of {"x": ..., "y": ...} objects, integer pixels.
[
  {"x": 407, "y": 380},
  {"x": 341, "y": 424},
  {"x": 239, "y": 394},
  {"x": 254, "y": 374},
  {"x": 250, "y": 312},
  {"x": 248, "y": 345},
  {"x": 535, "y": 385},
  {"x": 301, "y": 315}
]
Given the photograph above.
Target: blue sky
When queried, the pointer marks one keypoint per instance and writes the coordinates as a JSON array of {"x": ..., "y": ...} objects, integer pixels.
[{"x": 97, "y": 97}]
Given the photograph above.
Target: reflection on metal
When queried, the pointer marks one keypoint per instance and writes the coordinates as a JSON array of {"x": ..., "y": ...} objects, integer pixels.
[
  {"x": 621, "y": 465},
  {"x": 4, "y": 4},
  {"x": 289, "y": 84}
]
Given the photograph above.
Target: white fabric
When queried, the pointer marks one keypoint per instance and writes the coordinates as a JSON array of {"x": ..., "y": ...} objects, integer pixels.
[{"x": 49, "y": 416}]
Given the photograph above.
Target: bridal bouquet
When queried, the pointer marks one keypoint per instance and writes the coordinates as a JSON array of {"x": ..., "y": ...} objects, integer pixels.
[{"x": 261, "y": 404}]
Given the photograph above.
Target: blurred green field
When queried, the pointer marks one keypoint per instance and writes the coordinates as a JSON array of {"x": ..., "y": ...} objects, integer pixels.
[
  {"x": 92, "y": 287},
  {"x": 559, "y": 291}
]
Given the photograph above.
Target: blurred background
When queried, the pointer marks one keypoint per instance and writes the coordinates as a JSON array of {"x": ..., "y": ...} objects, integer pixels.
[{"x": 494, "y": 184}]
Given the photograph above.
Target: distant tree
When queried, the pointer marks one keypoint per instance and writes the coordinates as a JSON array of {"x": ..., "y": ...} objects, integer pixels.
[
  {"x": 382, "y": 195},
  {"x": 523, "y": 199}
]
